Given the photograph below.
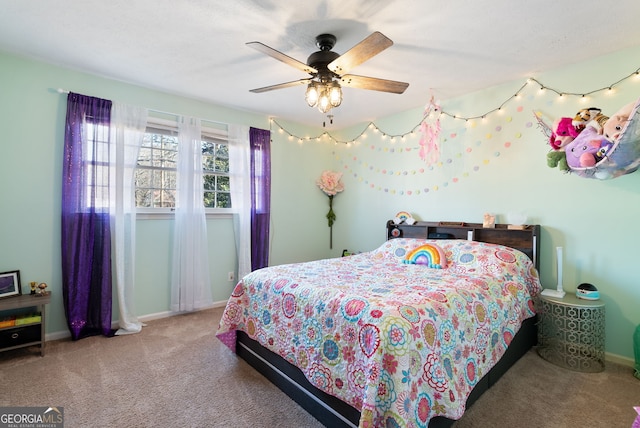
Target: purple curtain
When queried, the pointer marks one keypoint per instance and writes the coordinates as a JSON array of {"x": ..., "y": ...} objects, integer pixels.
[
  {"x": 260, "y": 148},
  {"x": 86, "y": 237}
]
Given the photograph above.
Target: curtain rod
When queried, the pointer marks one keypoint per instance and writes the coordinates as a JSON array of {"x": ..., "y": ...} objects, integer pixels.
[{"x": 65, "y": 91}]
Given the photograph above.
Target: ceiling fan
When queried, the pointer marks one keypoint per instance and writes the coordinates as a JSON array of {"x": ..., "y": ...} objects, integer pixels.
[{"x": 327, "y": 70}]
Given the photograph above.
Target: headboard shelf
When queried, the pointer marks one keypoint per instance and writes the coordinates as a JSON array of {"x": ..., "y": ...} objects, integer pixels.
[{"x": 525, "y": 239}]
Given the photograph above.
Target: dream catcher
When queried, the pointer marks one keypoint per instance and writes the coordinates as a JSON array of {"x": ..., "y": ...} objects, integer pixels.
[{"x": 430, "y": 139}]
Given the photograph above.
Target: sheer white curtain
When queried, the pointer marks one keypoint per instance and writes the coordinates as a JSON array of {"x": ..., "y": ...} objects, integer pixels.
[
  {"x": 190, "y": 283},
  {"x": 240, "y": 171},
  {"x": 128, "y": 124}
]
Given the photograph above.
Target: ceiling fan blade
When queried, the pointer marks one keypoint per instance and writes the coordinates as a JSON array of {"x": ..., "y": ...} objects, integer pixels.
[
  {"x": 373, "y": 84},
  {"x": 281, "y": 86},
  {"x": 282, "y": 57},
  {"x": 369, "y": 47}
]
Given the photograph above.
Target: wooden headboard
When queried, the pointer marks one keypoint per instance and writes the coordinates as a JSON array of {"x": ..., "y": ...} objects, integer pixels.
[{"x": 525, "y": 239}]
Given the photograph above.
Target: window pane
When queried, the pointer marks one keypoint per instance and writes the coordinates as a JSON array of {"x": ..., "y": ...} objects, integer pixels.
[
  {"x": 222, "y": 165},
  {"x": 164, "y": 198},
  {"x": 209, "y": 199},
  {"x": 143, "y": 178},
  {"x": 208, "y": 148},
  {"x": 156, "y": 141},
  {"x": 223, "y": 184},
  {"x": 223, "y": 151},
  {"x": 209, "y": 182},
  {"x": 208, "y": 163},
  {"x": 156, "y": 179},
  {"x": 144, "y": 156},
  {"x": 143, "y": 198},
  {"x": 169, "y": 180},
  {"x": 223, "y": 200}
]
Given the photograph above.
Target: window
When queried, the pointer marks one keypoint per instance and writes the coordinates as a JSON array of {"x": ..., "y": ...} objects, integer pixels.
[
  {"x": 157, "y": 162},
  {"x": 215, "y": 165},
  {"x": 156, "y": 170},
  {"x": 95, "y": 163}
]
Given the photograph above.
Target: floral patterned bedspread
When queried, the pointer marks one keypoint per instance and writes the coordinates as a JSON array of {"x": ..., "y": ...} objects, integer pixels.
[{"x": 401, "y": 342}]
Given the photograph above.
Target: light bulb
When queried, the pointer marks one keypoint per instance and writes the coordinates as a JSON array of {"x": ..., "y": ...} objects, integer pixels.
[
  {"x": 335, "y": 94},
  {"x": 324, "y": 105},
  {"x": 312, "y": 94}
]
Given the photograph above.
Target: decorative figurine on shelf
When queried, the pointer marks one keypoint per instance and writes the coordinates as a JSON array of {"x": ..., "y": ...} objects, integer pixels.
[
  {"x": 489, "y": 220},
  {"x": 33, "y": 287},
  {"x": 404, "y": 217},
  {"x": 41, "y": 289}
]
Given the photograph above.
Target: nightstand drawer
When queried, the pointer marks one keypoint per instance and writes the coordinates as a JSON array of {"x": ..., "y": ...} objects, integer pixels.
[{"x": 19, "y": 335}]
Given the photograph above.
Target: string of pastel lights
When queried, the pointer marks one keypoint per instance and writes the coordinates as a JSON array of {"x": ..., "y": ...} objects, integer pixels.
[
  {"x": 377, "y": 177},
  {"x": 402, "y": 136}
]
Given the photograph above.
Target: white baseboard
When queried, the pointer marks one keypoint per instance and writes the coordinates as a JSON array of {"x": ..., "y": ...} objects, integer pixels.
[
  {"x": 619, "y": 359},
  {"x": 57, "y": 335},
  {"x": 165, "y": 314}
]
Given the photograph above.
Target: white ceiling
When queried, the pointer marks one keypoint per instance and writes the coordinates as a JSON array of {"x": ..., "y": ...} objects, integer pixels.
[{"x": 196, "y": 48}]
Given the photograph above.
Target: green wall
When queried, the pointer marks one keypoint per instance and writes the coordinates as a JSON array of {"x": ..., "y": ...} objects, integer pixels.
[
  {"x": 499, "y": 166},
  {"x": 496, "y": 166},
  {"x": 32, "y": 115}
]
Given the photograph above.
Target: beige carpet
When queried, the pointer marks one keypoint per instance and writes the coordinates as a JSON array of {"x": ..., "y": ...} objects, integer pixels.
[{"x": 176, "y": 373}]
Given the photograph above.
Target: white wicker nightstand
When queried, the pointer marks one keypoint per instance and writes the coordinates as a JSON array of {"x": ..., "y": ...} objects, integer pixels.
[{"x": 571, "y": 332}]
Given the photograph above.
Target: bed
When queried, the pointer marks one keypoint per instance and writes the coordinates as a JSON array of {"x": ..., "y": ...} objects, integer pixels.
[{"x": 409, "y": 334}]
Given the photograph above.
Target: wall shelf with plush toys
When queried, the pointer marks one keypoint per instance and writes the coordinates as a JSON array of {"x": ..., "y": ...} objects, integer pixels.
[{"x": 594, "y": 145}]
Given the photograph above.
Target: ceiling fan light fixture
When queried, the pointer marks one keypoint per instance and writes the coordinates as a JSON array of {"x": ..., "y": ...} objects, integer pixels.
[
  {"x": 323, "y": 95},
  {"x": 324, "y": 102},
  {"x": 312, "y": 94},
  {"x": 335, "y": 93}
]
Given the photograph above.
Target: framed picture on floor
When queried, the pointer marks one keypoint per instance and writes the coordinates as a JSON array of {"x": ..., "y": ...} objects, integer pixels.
[{"x": 10, "y": 284}]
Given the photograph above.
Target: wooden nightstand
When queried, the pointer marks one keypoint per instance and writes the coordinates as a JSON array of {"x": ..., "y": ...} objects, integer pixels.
[
  {"x": 571, "y": 332},
  {"x": 32, "y": 331}
]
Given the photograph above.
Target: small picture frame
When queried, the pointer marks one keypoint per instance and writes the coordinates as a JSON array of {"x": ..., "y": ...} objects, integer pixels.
[{"x": 10, "y": 284}]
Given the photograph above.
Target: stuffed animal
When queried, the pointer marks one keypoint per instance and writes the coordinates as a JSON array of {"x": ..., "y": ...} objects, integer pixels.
[
  {"x": 558, "y": 159},
  {"x": 598, "y": 121},
  {"x": 562, "y": 134},
  {"x": 613, "y": 126},
  {"x": 583, "y": 117},
  {"x": 590, "y": 117},
  {"x": 587, "y": 149}
]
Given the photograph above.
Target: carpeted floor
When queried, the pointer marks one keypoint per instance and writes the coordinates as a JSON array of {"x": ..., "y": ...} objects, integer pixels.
[{"x": 176, "y": 373}]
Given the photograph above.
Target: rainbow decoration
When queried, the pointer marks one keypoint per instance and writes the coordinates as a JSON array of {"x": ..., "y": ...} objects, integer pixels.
[
  {"x": 429, "y": 255},
  {"x": 403, "y": 215}
]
